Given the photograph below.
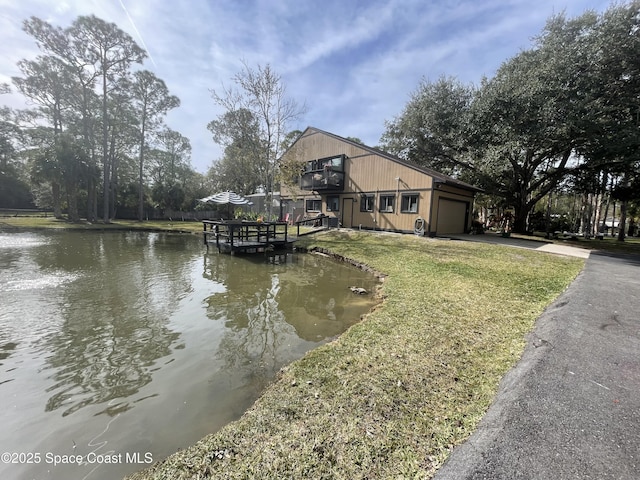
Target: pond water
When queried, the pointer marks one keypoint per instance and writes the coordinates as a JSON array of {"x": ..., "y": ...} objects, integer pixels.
[{"x": 119, "y": 348}]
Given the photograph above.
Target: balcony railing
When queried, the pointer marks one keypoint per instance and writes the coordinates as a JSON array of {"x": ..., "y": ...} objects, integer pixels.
[{"x": 325, "y": 179}]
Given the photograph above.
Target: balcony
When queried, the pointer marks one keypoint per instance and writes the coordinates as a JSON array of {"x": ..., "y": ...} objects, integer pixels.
[
  {"x": 322, "y": 180},
  {"x": 326, "y": 174}
]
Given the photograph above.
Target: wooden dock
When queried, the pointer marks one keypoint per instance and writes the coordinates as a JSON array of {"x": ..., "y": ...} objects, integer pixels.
[{"x": 246, "y": 236}]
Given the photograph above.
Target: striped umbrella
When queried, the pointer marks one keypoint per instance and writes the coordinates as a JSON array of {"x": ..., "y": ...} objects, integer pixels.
[{"x": 226, "y": 198}]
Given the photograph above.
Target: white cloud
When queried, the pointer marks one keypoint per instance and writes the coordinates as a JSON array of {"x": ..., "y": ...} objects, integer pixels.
[
  {"x": 334, "y": 34},
  {"x": 353, "y": 63}
]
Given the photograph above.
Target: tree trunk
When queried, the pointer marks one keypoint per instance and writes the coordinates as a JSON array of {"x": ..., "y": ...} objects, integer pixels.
[
  {"x": 92, "y": 203},
  {"x": 113, "y": 184},
  {"x": 140, "y": 173},
  {"x": 548, "y": 216},
  {"x": 106, "y": 187},
  {"x": 91, "y": 199},
  {"x": 586, "y": 215},
  {"x": 72, "y": 201},
  {"x": 603, "y": 227},
  {"x": 520, "y": 216},
  {"x": 95, "y": 201},
  {"x": 623, "y": 221},
  {"x": 55, "y": 194},
  {"x": 597, "y": 207},
  {"x": 114, "y": 190}
]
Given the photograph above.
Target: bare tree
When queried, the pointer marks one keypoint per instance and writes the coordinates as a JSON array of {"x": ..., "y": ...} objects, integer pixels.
[{"x": 262, "y": 92}]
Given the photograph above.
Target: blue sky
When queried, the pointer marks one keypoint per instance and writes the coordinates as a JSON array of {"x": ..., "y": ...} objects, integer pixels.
[{"x": 353, "y": 63}]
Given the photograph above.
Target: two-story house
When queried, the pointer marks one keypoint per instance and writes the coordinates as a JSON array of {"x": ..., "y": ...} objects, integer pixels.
[{"x": 363, "y": 187}]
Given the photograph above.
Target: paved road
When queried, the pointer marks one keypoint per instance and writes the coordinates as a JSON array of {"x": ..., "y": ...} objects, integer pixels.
[{"x": 570, "y": 409}]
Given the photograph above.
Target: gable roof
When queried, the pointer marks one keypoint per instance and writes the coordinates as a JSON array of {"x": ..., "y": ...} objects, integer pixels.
[{"x": 437, "y": 176}]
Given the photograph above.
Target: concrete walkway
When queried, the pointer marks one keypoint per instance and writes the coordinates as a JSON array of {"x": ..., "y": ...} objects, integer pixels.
[
  {"x": 570, "y": 409},
  {"x": 541, "y": 245}
]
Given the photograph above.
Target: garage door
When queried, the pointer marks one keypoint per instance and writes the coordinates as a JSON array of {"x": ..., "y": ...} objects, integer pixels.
[{"x": 452, "y": 216}]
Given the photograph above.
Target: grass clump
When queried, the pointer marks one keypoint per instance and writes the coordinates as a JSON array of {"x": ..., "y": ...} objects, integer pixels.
[{"x": 391, "y": 396}]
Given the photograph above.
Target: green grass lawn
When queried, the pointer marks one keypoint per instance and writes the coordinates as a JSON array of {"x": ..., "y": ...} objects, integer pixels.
[
  {"x": 391, "y": 396},
  {"x": 35, "y": 222},
  {"x": 631, "y": 245},
  {"x": 187, "y": 226}
]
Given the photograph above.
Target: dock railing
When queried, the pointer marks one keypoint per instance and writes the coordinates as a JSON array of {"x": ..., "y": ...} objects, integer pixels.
[{"x": 243, "y": 235}]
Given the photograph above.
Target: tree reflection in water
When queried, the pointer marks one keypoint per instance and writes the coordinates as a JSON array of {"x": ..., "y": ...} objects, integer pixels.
[
  {"x": 111, "y": 337},
  {"x": 99, "y": 322},
  {"x": 276, "y": 308}
]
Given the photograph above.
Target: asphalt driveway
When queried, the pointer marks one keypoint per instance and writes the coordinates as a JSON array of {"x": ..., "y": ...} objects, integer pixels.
[{"x": 570, "y": 409}]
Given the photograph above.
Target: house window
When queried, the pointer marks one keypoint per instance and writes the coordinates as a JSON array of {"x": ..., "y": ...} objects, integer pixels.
[
  {"x": 366, "y": 203},
  {"x": 409, "y": 203},
  {"x": 333, "y": 203},
  {"x": 313, "y": 205},
  {"x": 331, "y": 163},
  {"x": 387, "y": 202}
]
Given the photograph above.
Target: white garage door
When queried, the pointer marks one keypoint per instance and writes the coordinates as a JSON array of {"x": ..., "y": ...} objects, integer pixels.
[{"x": 451, "y": 216}]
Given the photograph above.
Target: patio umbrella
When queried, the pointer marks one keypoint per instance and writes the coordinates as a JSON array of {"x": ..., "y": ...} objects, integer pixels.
[{"x": 226, "y": 198}]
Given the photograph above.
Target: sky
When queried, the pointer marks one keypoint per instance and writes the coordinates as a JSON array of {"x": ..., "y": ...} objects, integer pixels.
[{"x": 353, "y": 63}]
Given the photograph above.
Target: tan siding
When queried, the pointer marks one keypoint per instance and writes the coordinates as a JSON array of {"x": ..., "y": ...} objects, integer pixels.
[
  {"x": 458, "y": 192},
  {"x": 439, "y": 193},
  {"x": 370, "y": 173},
  {"x": 365, "y": 171},
  {"x": 396, "y": 220},
  {"x": 375, "y": 173},
  {"x": 316, "y": 145}
]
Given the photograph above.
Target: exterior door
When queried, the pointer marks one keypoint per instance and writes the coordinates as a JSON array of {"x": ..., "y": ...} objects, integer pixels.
[
  {"x": 347, "y": 212},
  {"x": 452, "y": 216}
]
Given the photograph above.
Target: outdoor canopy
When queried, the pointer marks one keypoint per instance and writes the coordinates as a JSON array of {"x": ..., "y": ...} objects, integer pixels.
[{"x": 226, "y": 198}]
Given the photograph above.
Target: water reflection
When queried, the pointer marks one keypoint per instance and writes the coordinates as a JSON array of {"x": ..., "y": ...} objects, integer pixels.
[
  {"x": 276, "y": 308},
  {"x": 99, "y": 356},
  {"x": 146, "y": 342},
  {"x": 111, "y": 359},
  {"x": 317, "y": 301},
  {"x": 6, "y": 350}
]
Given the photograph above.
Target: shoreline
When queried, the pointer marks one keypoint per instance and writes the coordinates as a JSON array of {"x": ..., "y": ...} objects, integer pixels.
[
  {"x": 392, "y": 395},
  {"x": 376, "y": 402}
]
